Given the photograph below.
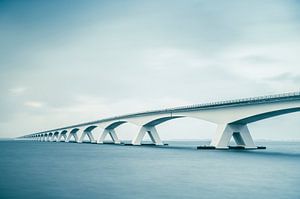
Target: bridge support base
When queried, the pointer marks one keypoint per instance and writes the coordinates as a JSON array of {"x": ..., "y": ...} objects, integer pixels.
[
  {"x": 111, "y": 133},
  {"x": 239, "y": 132},
  {"x": 152, "y": 132}
]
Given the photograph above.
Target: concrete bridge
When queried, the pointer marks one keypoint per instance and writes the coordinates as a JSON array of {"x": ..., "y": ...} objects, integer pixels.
[{"x": 231, "y": 117}]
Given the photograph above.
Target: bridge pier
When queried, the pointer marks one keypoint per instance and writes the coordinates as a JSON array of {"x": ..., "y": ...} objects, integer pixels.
[
  {"x": 62, "y": 135},
  {"x": 112, "y": 134},
  {"x": 152, "y": 132},
  {"x": 51, "y": 137},
  {"x": 55, "y": 138},
  {"x": 89, "y": 134},
  {"x": 48, "y": 138},
  {"x": 239, "y": 132},
  {"x": 70, "y": 136},
  {"x": 73, "y": 133}
]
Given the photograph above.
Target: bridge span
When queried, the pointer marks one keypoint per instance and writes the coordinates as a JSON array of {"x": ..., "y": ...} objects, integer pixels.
[{"x": 231, "y": 117}]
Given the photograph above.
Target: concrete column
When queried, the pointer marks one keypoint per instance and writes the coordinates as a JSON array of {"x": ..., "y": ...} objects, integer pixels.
[
  {"x": 55, "y": 139},
  {"x": 152, "y": 132},
  {"x": 62, "y": 135},
  {"x": 239, "y": 132},
  {"x": 51, "y": 137},
  {"x": 73, "y": 133},
  {"x": 89, "y": 134},
  {"x": 112, "y": 134},
  {"x": 70, "y": 136}
]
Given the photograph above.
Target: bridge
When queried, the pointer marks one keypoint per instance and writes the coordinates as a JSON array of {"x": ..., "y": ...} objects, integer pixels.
[{"x": 231, "y": 117}]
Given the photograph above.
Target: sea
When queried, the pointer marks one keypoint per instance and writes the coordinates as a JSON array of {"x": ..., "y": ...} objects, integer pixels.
[{"x": 31, "y": 169}]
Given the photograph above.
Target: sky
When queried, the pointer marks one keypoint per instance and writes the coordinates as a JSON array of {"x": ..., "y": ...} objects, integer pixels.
[{"x": 64, "y": 62}]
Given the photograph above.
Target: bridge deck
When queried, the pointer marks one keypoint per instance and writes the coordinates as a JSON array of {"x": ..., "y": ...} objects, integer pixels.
[{"x": 196, "y": 107}]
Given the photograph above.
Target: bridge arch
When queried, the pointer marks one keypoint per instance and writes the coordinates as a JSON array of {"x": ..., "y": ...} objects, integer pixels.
[
  {"x": 149, "y": 127},
  {"x": 160, "y": 120},
  {"x": 115, "y": 124},
  {"x": 73, "y": 134},
  {"x": 285, "y": 125},
  {"x": 109, "y": 129},
  {"x": 55, "y": 136},
  {"x": 62, "y": 134},
  {"x": 90, "y": 128},
  {"x": 266, "y": 115},
  {"x": 88, "y": 131},
  {"x": 50, "y": 136},
  {"x": 238, "y": 128}
]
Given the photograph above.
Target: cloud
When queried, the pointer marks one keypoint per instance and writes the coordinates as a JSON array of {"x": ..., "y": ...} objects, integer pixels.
[
  {"x": 260, "y": 62},
  {"x": 108, "y": 58},
  {"x": 34, "y": 104},
  {"x": 294, "y": 78},
  {"x": 18, "y": 90},
  {"x": 285, "y": 80},
  {"x": 260, "y": 59}
]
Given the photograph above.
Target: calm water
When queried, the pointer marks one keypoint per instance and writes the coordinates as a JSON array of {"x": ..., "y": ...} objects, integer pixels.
[{"x": 68, "y": 170}]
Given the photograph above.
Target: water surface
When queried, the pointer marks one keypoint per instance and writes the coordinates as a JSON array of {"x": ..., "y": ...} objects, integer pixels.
[{"x": 68, "y": 170}]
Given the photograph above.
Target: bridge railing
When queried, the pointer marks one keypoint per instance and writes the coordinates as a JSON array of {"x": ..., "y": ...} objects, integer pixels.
[{"x": 243, "y": 100}]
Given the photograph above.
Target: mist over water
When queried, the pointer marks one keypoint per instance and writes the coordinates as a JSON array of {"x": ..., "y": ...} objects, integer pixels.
[{"x": 69, "y": 170}]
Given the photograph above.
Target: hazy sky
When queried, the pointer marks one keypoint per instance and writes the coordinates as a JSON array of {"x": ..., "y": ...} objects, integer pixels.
[{"x": 64, "y": 62}]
